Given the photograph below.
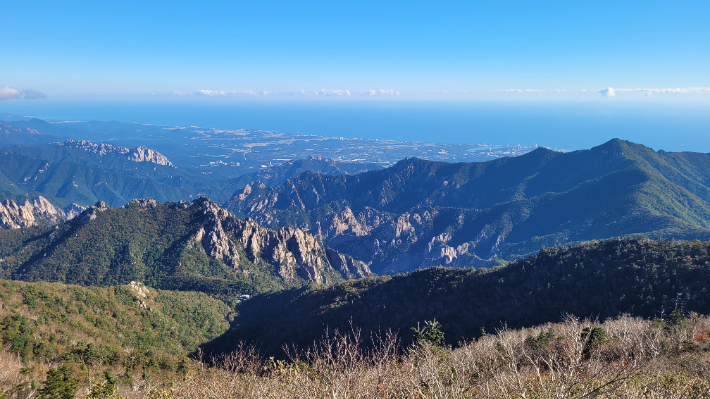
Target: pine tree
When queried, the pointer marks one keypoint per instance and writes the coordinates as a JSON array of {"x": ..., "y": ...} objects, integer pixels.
[{"x": 59, "y": 385}]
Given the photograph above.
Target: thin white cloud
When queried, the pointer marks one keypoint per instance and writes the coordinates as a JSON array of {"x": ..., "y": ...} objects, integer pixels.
[
  {"x": 33, "y": 95},
  {"x": 608, "y": 92},
  {"x": 520, "y": 91},
  {"x": 612, "y": 92},
  {"x": 337, "y": 93},
  {"x": 215, "y": 93},
  {"x": 669, "y": 90},
  {"x": 8, "y": 92},
  {"x": 210, "y": 93},
  {"x": 381, "y": 93}
]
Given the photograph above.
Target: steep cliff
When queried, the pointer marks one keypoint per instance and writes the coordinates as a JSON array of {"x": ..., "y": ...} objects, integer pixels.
[
  {"x": 295, "y": 253},
  {"x": 39, "y": 211}
]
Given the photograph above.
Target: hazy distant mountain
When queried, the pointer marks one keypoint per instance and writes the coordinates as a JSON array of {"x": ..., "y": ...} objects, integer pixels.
[
  {"x": 419, "y": 213},
  {"x": 277, "y": 174},
  {"x": 22, "y": 135},
  {"x": 67, "y": 182},
  {"x": 194, "y": 246},
  {"x": 77, "y": 171}
]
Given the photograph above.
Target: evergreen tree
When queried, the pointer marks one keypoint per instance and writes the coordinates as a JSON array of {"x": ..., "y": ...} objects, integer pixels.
[
  {"x": 59, "y": 385},
  {"x": 430, "y": 333}
]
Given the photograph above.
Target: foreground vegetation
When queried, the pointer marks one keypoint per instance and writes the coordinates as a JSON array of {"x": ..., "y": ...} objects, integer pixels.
[
  {"x": 130, "y": 330},
  {"x": 595, "y": 279},
  {"x": 621, "y": 358},
  {"x": 494, "y": 338}
]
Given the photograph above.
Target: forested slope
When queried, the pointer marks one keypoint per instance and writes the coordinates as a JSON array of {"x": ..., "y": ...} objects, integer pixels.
[{"x": 597, "y": 279}]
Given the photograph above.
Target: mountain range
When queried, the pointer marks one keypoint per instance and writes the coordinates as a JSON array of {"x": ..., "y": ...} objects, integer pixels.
[
  {"x": 420, "y": 213},
  {"x": 35, "y": 161},
  {"x": 308, "y": 236},
  {"x": 415, "y": 214},
  {"x": 193, "y": 246}
]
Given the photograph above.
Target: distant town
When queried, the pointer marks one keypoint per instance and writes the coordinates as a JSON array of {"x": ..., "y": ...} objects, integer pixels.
[
  {"x": 234, "y": 152},
  {"x": 254, "y": 149}
]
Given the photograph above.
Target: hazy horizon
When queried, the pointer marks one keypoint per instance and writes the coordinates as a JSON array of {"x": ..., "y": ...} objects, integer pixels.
[{"x": 562, "y": 125}]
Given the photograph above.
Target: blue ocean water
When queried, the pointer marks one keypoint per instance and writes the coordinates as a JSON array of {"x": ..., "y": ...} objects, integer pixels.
[{"x": 671, "y": 126}]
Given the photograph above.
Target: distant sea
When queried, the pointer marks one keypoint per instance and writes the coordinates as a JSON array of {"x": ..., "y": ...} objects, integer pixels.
[{"x": 671, "y": 126}]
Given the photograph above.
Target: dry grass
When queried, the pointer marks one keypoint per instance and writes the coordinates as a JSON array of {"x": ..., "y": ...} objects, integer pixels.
[
  {"x": 637, "y": 359},
  {"x": 640, "y": 359}
]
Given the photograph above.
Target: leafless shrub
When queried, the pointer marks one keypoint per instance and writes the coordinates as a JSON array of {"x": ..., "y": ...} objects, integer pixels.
[
  {"x": 10, "y": 369},
  {"x": 627, "y": 358}
]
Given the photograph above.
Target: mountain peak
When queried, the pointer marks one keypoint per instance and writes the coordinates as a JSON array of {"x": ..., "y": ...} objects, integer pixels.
[{"x": 135, "y": 154}]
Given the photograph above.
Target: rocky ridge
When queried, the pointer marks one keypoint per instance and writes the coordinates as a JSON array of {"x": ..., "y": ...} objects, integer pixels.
[
  {"x": 9, "y": 129},
  {"x": 184, "y": 246},
  {"x": 40, "y": 210},
  {"x": 420, "y": 213},
  {"x": 295, "y": 252},
  {"x": 135, "y": 154},
  {"x": 368, "y": 234}
]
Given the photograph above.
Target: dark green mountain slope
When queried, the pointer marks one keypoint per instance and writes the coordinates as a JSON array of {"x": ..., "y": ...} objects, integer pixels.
[
  {"x": 111, "y": 162},
  {"x": 420, "y": 213},
  {"x": 194, "y": 246},
  {"x": 129, "y": 179},
  {"x": 597, "y": 279}
]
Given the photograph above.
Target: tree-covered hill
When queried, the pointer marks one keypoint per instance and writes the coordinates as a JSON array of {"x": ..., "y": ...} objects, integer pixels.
[
  {"x": 420, "y": 213},
  {"x": 194, "y": 246},
  {"x": 596, "y": 279},
  {"x": 48, "y": 321}
]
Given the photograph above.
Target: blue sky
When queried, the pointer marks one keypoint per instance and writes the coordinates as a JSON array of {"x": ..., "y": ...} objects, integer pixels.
[{"x": 356, "y": 50}]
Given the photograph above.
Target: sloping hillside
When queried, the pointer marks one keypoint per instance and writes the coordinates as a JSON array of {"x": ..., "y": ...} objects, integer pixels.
[
  {"x": 597, "y": 279},
  {"x": 420, "y": 213},
  {"x": 46, "y": 321}
]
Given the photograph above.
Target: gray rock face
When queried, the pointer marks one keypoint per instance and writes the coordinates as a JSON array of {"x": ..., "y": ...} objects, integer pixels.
[
  {"x": 143, "y": 203},
  {"x": 389, "y": 241},
  {"x": 73, "y": 210},
  {"x": 145, "y": 154},
  {"x": 295, "y": 252},
  {"x": 135, "y": 154},
  {"x": 16, "y": 216},
  {"x": 90, "y": 213},
  {"x": 346, "y": 265}
]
